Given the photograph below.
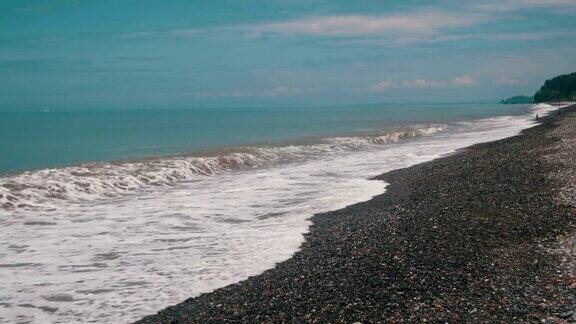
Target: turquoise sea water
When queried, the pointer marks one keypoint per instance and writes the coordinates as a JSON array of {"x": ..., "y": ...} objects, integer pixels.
[
  {"x": 41, "y": 139},
  {"x": 228, "y": 194}
]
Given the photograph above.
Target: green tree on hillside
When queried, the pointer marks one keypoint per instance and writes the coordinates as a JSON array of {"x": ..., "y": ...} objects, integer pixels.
[{"x": 560, "y": 88}]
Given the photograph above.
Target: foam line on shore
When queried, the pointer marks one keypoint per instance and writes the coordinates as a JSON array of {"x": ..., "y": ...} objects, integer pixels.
[
  {"x": 468, "y": 237},
  {"x": 192, "y": 237}
]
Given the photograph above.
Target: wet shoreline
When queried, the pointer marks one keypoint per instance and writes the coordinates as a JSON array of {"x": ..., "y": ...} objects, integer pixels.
[{"x": 467, "y": 237}]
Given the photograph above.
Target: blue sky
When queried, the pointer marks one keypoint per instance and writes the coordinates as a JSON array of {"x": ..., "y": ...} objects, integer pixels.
[{"x": 168, "y": 53}]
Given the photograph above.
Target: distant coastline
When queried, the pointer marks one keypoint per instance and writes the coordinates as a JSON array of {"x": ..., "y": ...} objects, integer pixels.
[
  {"x": 517, "y": 100},
  {"x": 558, "y": 89}
]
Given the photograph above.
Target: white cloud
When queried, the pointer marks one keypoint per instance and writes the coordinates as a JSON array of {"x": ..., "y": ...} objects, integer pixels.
[
  {"x": 545, "y": 3},
  {"x": 527, "y": 36},
  {"x": 251, "y": 35},
  {"x": 383, "y": 85},
  {"x": 136, "y": 35},
  {"x": 453, "y": 37},
  {"x": 464, "y": 81},
  {"x": 148, "y": 34},
  {"x": 424, "y": 84},
  {"x": 424, "y": 22},
  {"x": 282, "y": 91},
  {"x": 396, "y": 29},
  {"x": 506, "y": 81},
  {"x": 511, "y": 5},
  {"x": 279, "y": 91}
]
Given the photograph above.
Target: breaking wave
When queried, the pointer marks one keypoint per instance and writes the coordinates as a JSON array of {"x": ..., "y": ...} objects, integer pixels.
[{"x": 47, "y": 188}]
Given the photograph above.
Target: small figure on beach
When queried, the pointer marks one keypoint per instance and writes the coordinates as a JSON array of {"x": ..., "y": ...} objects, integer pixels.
[{"x": 536, "y": 117}]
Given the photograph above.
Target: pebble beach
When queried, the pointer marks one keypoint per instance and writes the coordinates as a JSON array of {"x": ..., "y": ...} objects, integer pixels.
[{"x": 485, "y": 234}]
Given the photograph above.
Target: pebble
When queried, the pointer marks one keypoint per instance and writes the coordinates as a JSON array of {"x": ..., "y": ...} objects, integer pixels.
[{"x": 489, "y": 206}]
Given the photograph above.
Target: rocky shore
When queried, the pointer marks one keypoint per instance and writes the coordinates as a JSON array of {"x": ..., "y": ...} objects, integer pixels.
[{"x": 482, "y": 235}]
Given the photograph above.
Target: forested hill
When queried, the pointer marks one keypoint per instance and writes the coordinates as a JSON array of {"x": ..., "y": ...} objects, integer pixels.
[
  {"x": 560, "y": 88},
  {"x": 517, "y": 100}
]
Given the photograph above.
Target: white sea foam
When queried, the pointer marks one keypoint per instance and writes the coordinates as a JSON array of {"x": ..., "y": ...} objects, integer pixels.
[
  {"x": 157, "y": 232},
  {"x": 49, "y": 189}
]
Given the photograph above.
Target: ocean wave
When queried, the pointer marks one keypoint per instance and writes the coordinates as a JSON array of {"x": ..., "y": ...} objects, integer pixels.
[{"x": 47, "y": 189}]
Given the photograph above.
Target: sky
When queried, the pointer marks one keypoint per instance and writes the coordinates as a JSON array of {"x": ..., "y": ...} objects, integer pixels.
[{"x": 220, "y": 53}]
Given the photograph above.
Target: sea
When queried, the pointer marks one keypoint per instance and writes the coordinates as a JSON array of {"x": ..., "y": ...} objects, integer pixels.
[{"x": 110, "y": 215}]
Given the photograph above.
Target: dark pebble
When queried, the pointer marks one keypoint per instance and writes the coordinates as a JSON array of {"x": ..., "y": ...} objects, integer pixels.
[{"x": 459, "y": 239}]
